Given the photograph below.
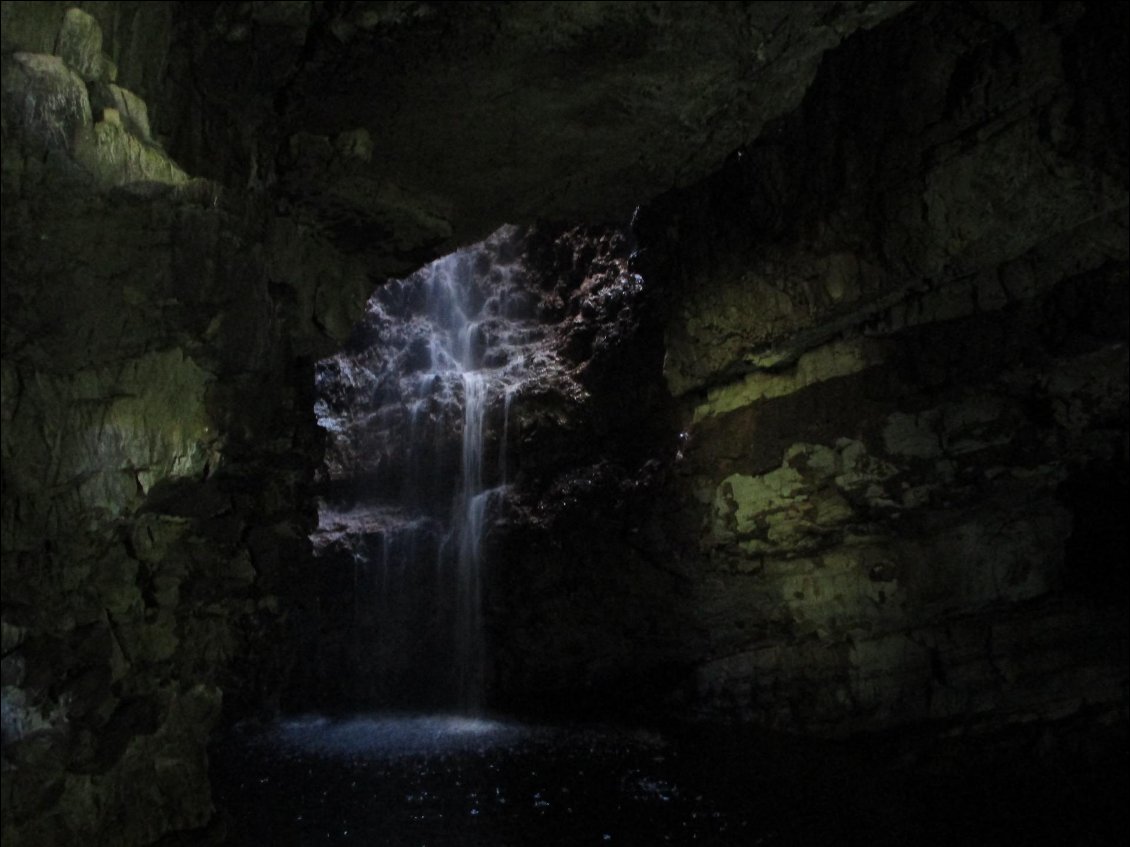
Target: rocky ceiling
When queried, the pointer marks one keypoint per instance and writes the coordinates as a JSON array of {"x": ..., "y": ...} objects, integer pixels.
[{"x": 405, "y": 128}]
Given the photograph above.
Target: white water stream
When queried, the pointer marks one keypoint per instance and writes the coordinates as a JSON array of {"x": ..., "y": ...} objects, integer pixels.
[{"x": 455, "y": 341}]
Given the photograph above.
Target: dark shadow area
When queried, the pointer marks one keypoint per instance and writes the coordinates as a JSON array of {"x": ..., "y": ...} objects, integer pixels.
[
  {"x": 1095, "y": 557},
  {"x": 437, "y": 781}
]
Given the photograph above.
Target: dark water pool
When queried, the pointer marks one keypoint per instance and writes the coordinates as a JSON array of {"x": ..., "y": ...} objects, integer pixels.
[{"x": 435, "y": 781}]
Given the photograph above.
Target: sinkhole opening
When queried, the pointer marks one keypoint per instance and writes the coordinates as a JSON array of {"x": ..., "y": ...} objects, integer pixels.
[{"x": 419, "y": 458}]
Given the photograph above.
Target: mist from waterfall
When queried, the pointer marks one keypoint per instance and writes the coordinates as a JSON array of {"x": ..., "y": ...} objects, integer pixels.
[{"x": 448, "y": 348}]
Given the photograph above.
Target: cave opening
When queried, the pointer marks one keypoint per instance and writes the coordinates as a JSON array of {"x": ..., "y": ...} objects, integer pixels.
[
  {"x": 439, "y": 405},
  {"x": 416, "y": 411}
]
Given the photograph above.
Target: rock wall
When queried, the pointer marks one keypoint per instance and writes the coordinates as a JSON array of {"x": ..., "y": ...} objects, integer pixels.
[
  {"x": 158, "y": 435},
  {"x": 584, "y": 611},
  {"x": 895, "y": 329},
  {"x": 898, "y": 330}
]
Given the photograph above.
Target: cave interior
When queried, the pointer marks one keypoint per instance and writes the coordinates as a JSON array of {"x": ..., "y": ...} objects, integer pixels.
[{"x": 798, "y": 354}]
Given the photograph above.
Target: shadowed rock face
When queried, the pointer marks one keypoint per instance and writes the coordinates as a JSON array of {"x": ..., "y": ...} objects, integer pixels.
[
  {"x": 898, "y": 326},
  {"x": 851, "y": 457},
  {"x": 412, "y": 128}
]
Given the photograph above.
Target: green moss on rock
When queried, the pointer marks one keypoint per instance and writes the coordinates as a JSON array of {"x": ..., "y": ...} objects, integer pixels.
[{"x": 116, "y": 156}]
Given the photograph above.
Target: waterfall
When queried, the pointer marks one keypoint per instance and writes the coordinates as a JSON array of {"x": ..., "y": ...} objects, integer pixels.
[
  {"x": 429, "y": 385},
  {"x": 470, "y": 513}
]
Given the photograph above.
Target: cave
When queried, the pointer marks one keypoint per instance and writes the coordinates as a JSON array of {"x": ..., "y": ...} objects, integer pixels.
[{"x": 770, "y": 488}]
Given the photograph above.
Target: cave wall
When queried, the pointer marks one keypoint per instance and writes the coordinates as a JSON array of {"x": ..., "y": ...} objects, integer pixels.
[
  {"x": 158, "y": 433},
  {"x": 896, "y": 329}
]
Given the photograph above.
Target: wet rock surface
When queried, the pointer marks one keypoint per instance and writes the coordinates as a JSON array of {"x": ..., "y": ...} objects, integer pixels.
[{"x": 554, "y": 321}]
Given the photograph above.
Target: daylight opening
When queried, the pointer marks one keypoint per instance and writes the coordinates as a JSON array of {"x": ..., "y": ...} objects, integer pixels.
[{"x": 416, "y": 409}]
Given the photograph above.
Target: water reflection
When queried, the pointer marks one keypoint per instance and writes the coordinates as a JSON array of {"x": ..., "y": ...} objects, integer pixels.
[
  {"x": 453, "y": 781},
  {"x": 390, "y": 736}
]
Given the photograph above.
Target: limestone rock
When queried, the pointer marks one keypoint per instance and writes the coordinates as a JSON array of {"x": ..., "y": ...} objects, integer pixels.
[
  {"x": 45, "y": 102},
  {"x": 80, "y": 44},
  {"x": 147, "y": 591},
  {"x": 30, "y": 27},
  {"x": 114, "y": 155},
  {"x": 827, "y": 361},
  {"x": 12, "y": 637},
  {"x": 134, "y": 112},
  {"x": 847, "y": 523}
]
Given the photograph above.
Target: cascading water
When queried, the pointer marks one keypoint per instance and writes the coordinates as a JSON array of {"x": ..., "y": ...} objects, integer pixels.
[{"x": 421, "y": 417}]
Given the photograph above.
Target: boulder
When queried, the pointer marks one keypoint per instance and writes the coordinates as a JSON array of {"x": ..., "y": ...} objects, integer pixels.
[
  {"x": 80, "y": 44},
  {"x": 45, "y": 102}
]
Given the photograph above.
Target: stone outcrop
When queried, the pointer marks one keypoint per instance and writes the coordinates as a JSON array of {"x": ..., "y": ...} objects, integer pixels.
[
  {"x": 896, "y": 330},
  {"x": 157, "y": 436},
  {"x": 69, "y": 102},
  {"x": 898, "y": 326}
]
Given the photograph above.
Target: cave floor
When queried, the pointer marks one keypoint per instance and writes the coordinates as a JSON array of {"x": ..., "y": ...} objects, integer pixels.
[{"x": 431, "y": 781}]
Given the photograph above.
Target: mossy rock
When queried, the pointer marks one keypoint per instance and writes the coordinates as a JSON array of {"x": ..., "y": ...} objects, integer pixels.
[{"x": 116, "y": 157}]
